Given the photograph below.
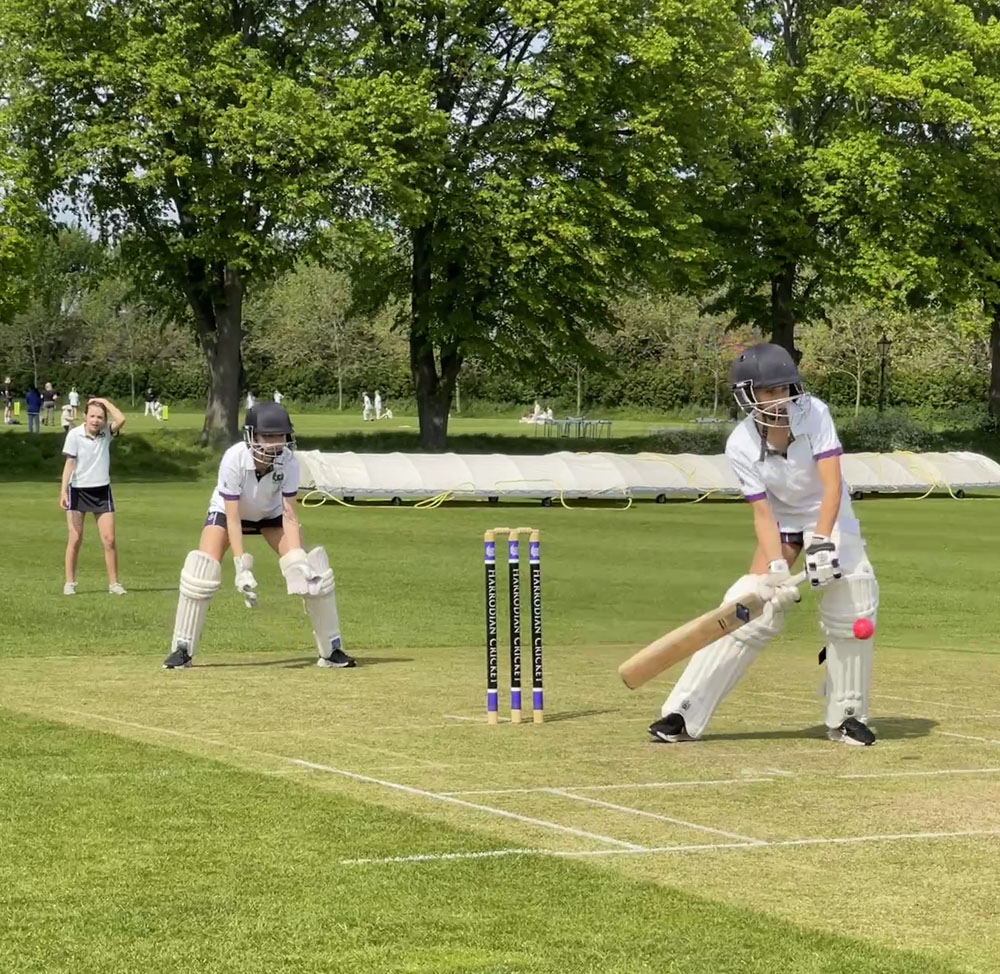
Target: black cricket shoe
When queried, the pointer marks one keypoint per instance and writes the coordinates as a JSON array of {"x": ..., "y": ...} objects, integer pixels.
[
  {"x": 852, "y": 731},
  {"x": 670, "y": 729},
  {"x": 179, "y": 659},
  {"x": 338, "y": 659}
]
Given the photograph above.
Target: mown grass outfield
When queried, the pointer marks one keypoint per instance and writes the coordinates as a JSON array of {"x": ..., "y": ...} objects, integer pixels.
[{"x": 257, "y": 814}]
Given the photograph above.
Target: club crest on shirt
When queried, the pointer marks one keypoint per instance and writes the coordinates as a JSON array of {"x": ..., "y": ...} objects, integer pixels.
[{"x": 279, "y": 476}]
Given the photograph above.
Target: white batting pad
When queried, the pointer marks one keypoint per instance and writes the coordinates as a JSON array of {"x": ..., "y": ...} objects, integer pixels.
[
  {"x": 321, "y": 604},
  {"x": 713, "y": 671},
  {"x": 295, "y": 567},
  {"x": 201, "y": 577},
  {"x": 848, "y": 659}
]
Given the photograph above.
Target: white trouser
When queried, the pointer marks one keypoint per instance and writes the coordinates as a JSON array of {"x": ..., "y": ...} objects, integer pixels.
[{"x": 713, "y": 671}]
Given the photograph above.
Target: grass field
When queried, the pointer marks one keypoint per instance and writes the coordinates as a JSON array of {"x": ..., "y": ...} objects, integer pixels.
[
  {"x": 331, "y": 423},
  {"x": 256, "y": 813}
]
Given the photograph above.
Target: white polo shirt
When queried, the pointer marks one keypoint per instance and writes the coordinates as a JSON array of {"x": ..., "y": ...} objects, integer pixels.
[
  {"x": 259, "y": 497},
  {"x": 92, "y": 455},
  {"x": 791, "y": 483}
]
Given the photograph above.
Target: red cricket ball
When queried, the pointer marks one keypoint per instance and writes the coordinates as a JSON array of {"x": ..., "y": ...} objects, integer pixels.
[{"x": 863, "y": 628}]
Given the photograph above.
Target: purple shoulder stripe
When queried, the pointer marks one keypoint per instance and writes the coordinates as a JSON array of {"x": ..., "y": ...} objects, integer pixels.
[
  {"x": 750, "y": 498},
  {"x": 229, "y": 497},
  {"x": 289, "y": 493},
  {"x": 835, "y": 452}
]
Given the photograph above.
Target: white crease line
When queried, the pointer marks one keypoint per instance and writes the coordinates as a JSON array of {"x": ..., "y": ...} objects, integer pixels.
[
  {"x": 966, "y": 712},
  {"x": 655, "y": 815},
  {"x": 967, "y": 737},
  {"x": 787, "y": 774},
  {"x": 442, "y": 856},
  {"x": 617, "y": 787},
  {"x": 921, "y": 774},
  {"x": 657, "y": 850},
  {"x": 503, "y": 813},
  {"x": 394, "y": 785}
]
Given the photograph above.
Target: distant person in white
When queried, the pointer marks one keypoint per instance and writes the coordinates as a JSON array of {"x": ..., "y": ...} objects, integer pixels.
[
  {"x": 378, "y": 404},
  {"x": 74, "y": 401},
  {"x": 278, "y": 397},
  {"x": 86, "y": 487},
  {"x": 255, "y": 494},
  {"x": 249, "y": 400},
  {"x": 67, "y": 417},
  {"x": 158, "y": 410},
  {"x": 366, "y": 410}
]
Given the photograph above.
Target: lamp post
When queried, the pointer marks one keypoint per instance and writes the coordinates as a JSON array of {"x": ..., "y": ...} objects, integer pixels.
[{"x": 883, "y": 347}]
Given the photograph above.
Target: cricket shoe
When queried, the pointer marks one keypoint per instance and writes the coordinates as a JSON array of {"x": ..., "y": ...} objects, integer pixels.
[
  {"x": 69, "y": 588},
  {"x": 853, "y": 732},
  {"x": 179, "y": 659},
  {"x": 116, "y": 588},
  {"x": 337, "y": 660},
  {"x": 670, "y": 729}
]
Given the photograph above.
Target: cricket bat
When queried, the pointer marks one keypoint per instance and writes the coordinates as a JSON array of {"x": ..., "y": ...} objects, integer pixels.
[{"x": 686, "y": 640}]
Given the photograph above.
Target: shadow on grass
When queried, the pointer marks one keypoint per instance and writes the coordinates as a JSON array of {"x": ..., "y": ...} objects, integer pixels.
[
  {"x": 303, "y": 661},
  {"x": 577, "y": 714},
  {"x": 886, "y": 729}
]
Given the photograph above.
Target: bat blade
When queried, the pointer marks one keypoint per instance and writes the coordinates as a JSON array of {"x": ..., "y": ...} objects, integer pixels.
[{"x": 686, "y": 640}]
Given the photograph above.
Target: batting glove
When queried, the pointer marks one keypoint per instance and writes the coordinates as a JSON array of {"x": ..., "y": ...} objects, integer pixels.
[{"x": 822, "y": 561}]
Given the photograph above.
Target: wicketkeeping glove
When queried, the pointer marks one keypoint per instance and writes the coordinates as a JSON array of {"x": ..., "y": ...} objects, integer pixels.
[{"x": 245, "y": 582}]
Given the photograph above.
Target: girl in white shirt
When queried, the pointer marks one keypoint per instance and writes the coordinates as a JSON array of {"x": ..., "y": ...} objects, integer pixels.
[
  {"x": 86, "y": 488},
  {"x": 786, "y": 455},
  {"x": 255, "y": 494}
]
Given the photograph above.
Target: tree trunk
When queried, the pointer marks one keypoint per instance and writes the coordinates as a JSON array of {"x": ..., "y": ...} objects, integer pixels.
[
  {"x": 340, "y": 389},
  {"x": 34, "y": 358},
  {"x": 857, "y": 392},
  {"x": 783, "y": 310},
  {"x": 579, "y": 389},
  {"x": 433, "y": 389},
  {"x": 994, "y": 396},
  {"x": 220, "y": 324}
]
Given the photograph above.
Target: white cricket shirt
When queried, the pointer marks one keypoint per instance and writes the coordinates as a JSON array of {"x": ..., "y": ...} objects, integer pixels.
[
  {"x": 92, "y": 455},
  {"x": 259, "y": 497},
  {"x": 791, "y": 483}
]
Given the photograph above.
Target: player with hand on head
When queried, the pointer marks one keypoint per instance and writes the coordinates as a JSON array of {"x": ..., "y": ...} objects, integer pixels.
[
  {"x": 86, "y": 488},
  {"x": 255, "y": 494},
  {"x": 786, "y": 456}
]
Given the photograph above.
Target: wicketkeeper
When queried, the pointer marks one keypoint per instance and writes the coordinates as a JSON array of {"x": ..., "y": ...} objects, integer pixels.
[{"x": 255, "y": 494}]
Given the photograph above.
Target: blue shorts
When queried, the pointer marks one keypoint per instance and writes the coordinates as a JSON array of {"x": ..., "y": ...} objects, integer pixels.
[{"x": 218, "y": 519}]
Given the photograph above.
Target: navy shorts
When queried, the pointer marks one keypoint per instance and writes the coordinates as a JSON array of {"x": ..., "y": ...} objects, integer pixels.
[
  {"x": 219, "y": 520},
  {"x": 92, "y": 500},
  {"x": 792, "y": 538}
]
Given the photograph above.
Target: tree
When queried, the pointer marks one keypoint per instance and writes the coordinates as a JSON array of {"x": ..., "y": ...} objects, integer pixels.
[
  {"x": 846, "y": 343},
  {"x": 191, "y": 132},
  {"x": 62, "y": 267},
  {"x": 564, "y": 153},
  {"x": 307, "y": 321},
  {"x": 122, "y": 330},
  {"x": 916, "y": 179}
]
